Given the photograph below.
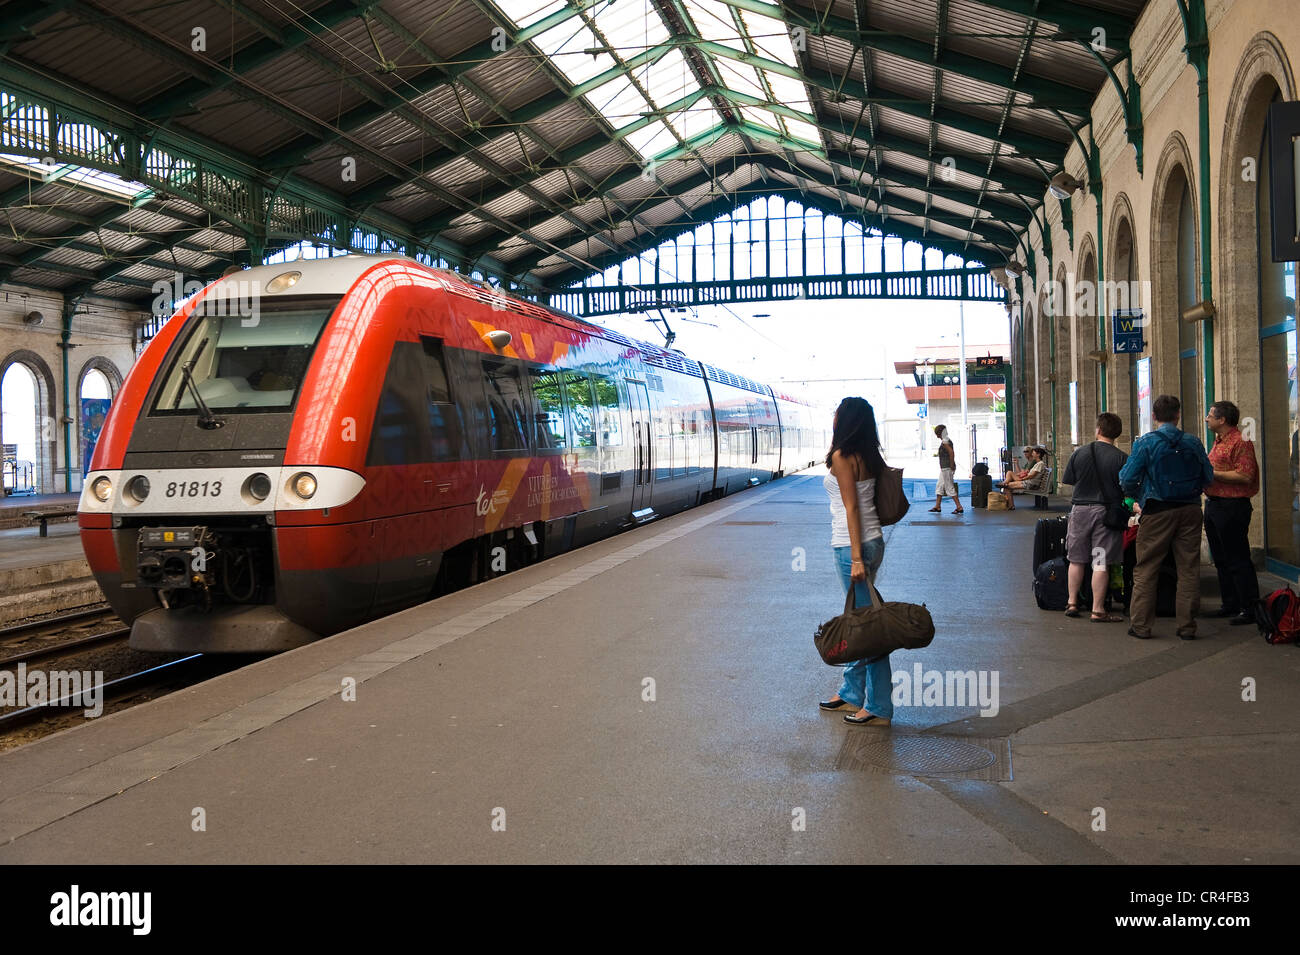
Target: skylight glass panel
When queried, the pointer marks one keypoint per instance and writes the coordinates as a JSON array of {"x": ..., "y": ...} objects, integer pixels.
[
  {"x": 619, "y": 101},
  {"x": 714, "y": 21},
  {"x": 699, "y": 118},
  {"x": 789, "y": 92},
  {"x": 668, "y": 79},
  {"x": 742, "y": 79},
  {"x": 801, "y": 130},
  {"x": 652, "y": 140},
  {"x": 89, "y": 178},
  {"x": 631, "y": 27},
  {"x": 527, "y": 12},
  {"x": 770, "y": 37},
  {"x": 566, "y": 44}
]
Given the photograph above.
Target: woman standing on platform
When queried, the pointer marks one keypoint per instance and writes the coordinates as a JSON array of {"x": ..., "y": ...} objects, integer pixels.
[{"x": 854, "y": 461}]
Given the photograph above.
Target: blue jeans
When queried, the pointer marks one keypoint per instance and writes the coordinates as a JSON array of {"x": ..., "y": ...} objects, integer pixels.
[{"x": 867, "y": 683}]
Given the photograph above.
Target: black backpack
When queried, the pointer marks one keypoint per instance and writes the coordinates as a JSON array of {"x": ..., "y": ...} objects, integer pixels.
[{"x": 1184, "y": 481}]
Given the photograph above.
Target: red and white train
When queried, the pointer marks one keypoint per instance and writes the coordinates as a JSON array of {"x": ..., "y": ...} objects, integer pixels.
[{"x": 308, "y": 446}]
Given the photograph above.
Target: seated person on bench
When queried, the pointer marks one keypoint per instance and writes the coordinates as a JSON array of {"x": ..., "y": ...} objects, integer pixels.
[{"x": 1033, "y": 481}]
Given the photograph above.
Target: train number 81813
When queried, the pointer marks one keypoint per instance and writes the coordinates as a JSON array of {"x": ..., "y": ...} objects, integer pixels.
[{"x": 193, "y": 489}]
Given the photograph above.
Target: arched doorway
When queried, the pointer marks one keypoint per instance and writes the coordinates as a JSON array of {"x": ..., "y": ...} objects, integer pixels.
[
  {"x": 20, "y": 429},
  {"x": 1189, "y": 285},
  {"x": 1280, "y": 479},
  {"x": 1256, "y": 300},
  {"x": 1123, "y": 293},
  {"x": 1175, "y": 344},
  {"x": 1085, "y": 345},
  {"x": 95, "y": 397},
  {"x": 1028, "y": 378},
  {"x": 1043, "y": 421},
  {"x": 1063, "y": 373}
]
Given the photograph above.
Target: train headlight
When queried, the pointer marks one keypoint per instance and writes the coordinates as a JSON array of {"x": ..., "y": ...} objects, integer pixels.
[
  {"x": 259, "y": 486},
  {"x": 283, "y": 281},
  {"x": 102, "y": 488},
  {"x": 303, "y": 484},
  {"x": 138, "y": 487}
]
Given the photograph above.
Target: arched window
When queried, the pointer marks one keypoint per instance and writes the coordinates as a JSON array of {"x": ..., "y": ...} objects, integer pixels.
[
  {"x": 1086, "y": 342},
  {"x": 20, "y": 429},
  {"x": 1280, "y": 432},
  {"x": 1189, "y": 364},
  {"x": 1125, "y": 294},
  {"x": 96, "y": 396}
]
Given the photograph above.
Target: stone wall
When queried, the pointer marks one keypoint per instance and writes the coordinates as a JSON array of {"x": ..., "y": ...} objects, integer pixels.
[{"x": 102, "y": 335}]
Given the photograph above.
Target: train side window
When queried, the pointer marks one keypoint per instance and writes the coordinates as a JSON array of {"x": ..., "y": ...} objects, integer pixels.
[
  {"x": 582, "y": 419},
  {"x": 505, "y": 406},
  {"x": 445, "y": 423},
  {"x": 611, "y": 429},
  {"x": 549, "y": 405},
  {"x": 397, "y": 436}
]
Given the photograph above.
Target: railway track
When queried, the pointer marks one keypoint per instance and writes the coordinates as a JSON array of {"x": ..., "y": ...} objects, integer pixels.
[
  {"x": 159, "y": 675},
  {"x": 92, "y": 643},
  {"x": 52, "y": 637}
]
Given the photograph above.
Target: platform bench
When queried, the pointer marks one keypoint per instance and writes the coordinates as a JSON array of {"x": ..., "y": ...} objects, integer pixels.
[{"x": 44, "y": 517}]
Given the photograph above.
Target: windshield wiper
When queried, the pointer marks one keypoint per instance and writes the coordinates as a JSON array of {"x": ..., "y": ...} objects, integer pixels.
[{"x": 207, "y": 420}]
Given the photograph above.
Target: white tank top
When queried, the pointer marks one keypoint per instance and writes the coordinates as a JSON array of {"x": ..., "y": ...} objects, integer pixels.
[{"x": 840, "y": 517}]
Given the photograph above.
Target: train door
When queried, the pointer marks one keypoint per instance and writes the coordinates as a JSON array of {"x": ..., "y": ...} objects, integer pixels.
[
  {"x": 753, "y": 437},
  {"x": 639, "y": 402}
]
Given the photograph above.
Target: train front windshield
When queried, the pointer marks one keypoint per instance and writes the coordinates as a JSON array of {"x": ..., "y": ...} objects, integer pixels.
[{"x": 247, "y": 362}]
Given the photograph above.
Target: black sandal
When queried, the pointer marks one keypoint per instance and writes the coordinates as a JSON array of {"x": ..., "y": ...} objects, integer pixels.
[{"x": 1071, "y": 610}]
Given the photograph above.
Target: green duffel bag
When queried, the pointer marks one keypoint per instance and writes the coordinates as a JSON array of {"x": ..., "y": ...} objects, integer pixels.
[{"x": 869, "y": 632}]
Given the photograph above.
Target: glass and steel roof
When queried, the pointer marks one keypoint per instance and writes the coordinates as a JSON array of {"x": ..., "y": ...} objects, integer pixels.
[{"x": 536, "y": 141}]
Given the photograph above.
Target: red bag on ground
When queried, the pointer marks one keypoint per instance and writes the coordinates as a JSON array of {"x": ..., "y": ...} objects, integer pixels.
[{"x": 1278, "y": 616}]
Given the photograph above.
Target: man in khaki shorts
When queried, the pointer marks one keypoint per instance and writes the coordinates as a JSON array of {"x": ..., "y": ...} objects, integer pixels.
[
  {"x": 1093, "y": 472},
  {"x": 946, "y": 486}
]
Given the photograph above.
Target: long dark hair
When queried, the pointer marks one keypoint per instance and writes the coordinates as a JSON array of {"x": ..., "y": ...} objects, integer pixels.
[{"x": 856, "y": 435}]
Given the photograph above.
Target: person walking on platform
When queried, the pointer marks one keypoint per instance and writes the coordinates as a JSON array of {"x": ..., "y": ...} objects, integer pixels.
[
  {"x": 1093, "y": 472},
  {"x": 1165, "y": 474},
  {"x": 947, "y": 469},
  {"x": 1227, "y": 513},
  {"x": 854, "y": 461}
]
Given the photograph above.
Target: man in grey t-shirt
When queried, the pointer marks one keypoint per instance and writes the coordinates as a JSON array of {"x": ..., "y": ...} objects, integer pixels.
[{"x": 1093, "y": 472}]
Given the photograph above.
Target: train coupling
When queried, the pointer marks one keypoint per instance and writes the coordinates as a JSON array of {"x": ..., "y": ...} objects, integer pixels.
[{"x": 176, "y": 558}]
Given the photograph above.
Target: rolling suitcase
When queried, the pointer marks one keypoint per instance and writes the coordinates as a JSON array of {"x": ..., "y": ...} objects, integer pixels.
[
  {"x": 1052, "y": 586},
  {"x": 980, "y": 486},
  {"x": 1049, "y": 540}
]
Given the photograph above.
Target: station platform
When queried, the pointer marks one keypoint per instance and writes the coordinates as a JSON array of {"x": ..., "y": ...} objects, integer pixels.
[
  {"x": 653, "y": 698},
  {"x": 13, "y": 508},
  {"x": 43, "y": 574}
]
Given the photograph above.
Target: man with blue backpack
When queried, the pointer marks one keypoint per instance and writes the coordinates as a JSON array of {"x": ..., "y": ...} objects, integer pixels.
[{"x": 1166, "y": 474}]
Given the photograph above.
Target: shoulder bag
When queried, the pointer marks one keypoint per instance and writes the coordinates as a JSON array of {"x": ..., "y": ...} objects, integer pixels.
[
  {"x": 1116, "y": 516},
  {"x": 891, "y": 502}
]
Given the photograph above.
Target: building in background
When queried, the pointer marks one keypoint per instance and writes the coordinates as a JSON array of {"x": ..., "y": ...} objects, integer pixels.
[{"x": 930, "y": 386}]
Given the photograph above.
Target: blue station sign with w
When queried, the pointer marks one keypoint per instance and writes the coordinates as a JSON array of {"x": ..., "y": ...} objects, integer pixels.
[{"x": 1128, "y": 324}]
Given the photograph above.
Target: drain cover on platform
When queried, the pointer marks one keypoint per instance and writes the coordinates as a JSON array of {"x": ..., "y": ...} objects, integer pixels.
[{"x": 987, "y": 759}]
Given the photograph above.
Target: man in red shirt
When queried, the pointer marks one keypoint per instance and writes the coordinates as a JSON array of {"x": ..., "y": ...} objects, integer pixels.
[{"x": 1227, "y": 513}]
